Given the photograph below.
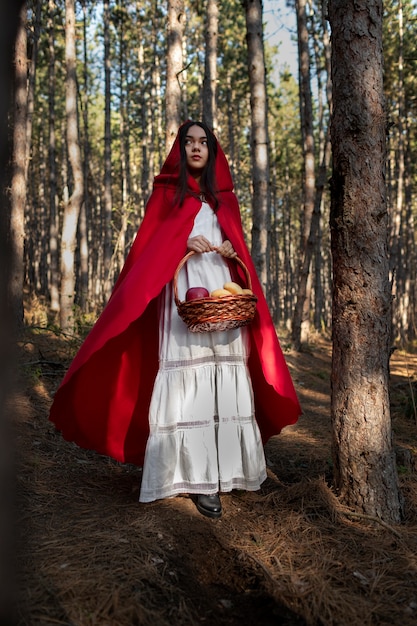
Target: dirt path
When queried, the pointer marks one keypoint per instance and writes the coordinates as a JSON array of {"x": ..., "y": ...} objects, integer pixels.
[{"x": 90, "y": 554}]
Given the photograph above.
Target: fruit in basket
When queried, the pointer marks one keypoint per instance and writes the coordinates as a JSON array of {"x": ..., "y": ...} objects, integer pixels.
[
  {"x": 234, "y": 288},
  {"x": 195, "y": 293},
  {"x": 220, "y": 293}
]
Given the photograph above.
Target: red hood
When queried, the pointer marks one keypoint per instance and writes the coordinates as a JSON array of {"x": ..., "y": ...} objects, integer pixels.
[{"x": 168, "y": 178}]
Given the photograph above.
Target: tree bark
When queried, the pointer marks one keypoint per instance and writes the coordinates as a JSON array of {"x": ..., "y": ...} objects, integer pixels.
[
  {"x": 31, "y": 81},
  {"x": 364, "y": 463},
  {"x": 259, "y": 139},
  {"x": 210, "y": 70},
  {"x": 176, "y": 20},
  {"x": 322, "y": 57},
  {"x": 18, "y": 184},
  {"x": 300, "y": 323},
  {"x": 124, "y": 153},
  {"x": 9, "y": 22},
  {"x": 85, "y": 216},
  {"x": 53, "y": 216},
  {"x": 108, "y": 200},
  {"x": 73, "y": 206}
]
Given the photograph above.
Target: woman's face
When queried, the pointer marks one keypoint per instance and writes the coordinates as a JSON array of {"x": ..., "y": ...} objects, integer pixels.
[{"x": 196, "y": 150}]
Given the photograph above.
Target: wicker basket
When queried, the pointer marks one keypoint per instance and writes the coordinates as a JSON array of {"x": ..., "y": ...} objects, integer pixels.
[{"x": 210, "y": 314}]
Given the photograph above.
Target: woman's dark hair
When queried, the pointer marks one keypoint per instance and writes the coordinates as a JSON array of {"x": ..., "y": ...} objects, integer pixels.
[{"x": 208, "y": 181}]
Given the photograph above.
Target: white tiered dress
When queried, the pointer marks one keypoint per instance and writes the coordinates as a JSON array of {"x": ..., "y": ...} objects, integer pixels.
[{"x": 203, "y": 434}]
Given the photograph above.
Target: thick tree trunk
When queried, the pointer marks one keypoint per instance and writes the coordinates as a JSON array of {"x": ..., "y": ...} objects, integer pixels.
[
  {"x": 259, "y": 139},
  {"x": 18, "y": 186},
  {"x": 301, "y": 322},
  {"x": 364, "y": 462},
  {"x": 176, "y": 21},
  {"x": 9, "y": 17},
  {"x": 73, "y": 206},
  {"x": 210, "y": 70}
]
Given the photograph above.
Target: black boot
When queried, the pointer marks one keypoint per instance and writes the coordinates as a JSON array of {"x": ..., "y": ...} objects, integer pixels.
[{"x": 210, "y": 506}]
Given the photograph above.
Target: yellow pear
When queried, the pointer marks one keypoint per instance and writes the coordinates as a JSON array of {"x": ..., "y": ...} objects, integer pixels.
[
  {"x": 220, "y": 293},
  {"x": 234, "y": 288}
]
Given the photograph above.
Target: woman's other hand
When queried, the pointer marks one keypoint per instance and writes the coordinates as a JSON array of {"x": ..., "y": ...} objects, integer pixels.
[
  {"x": 226, "y": 249},
  {"x": 199, "y": 244}
]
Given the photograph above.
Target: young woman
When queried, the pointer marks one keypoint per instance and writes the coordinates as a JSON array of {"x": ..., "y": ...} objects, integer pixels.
[{"x": 193, "y": 408}]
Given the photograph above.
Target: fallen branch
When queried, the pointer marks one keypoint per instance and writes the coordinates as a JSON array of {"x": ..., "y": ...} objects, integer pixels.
[{"x": 370, "y": 518}]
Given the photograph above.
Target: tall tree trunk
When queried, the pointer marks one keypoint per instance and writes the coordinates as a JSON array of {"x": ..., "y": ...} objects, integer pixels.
[
  {"x": 322, "y": 40},
  {"x": 145, "y": 179},
  {"x": 41, "y": 221},
  {"x": 408, "y": 299},
  {"x": 210, "y": 69},
  {"x": 73, "y": 206},
  {"x": 259, "y": 139},
  {"x": 176, "y": 20},
  {"x": 156, "y": 122},
  {"x": 124, "y": 152},
  {"x": 287, "y": 246},
  {"x": 85, "y": 209},
  {"x": 230, "y": 126},
  {"x": 300, "y": 324},
  {"x": 18, "y": 185},
  {"x": 9, "y": 17},
  {"x": 31, "y": 81},
  {"x": 53, "y": 211},
  {"x": 108, "y": 201},
  {"x": 397, "y": 263},
  {"x": 364, "y": 461}
]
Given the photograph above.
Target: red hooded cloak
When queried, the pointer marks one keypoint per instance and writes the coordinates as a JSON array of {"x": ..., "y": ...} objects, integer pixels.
[{"x": 103, "y": 401}]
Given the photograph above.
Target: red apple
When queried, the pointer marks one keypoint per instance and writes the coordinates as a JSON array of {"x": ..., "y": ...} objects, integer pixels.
[{"x": 195, "y": 293}]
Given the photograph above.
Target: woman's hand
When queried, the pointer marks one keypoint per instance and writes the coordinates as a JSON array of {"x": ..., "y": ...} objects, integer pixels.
[
  {"x": 199, "y": 244},
  {"x": 226, "y": 249}
]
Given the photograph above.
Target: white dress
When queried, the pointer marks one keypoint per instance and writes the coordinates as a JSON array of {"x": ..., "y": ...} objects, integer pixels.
[{"x": 203, "y": 434}]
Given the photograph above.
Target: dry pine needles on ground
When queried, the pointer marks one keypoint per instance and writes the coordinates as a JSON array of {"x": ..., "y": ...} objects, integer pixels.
[{"x": 89, "y": 554}]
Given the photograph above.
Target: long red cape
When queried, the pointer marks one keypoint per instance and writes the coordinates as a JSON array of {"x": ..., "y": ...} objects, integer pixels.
[{"x": 103, "y": 401}]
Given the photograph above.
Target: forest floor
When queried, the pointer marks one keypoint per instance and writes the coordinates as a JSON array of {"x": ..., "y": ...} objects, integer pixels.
[{"x": 89, "y": 554}]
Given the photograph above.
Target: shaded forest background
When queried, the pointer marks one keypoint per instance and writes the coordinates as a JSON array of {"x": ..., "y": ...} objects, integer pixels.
[{"x": 121, "y": 78}]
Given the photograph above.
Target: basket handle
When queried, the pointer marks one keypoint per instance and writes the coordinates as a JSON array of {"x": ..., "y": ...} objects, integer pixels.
[{"x": 189, "y": 255}]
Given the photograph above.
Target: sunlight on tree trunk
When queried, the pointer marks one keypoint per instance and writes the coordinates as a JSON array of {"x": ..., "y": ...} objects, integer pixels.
[
  {"x": 176, "y": 22},
  {"x": 18, "y": 185},
  {"x": 73, "y": 206},
  {"x": 210, "y": 72},
  {"x": 259, "y": 139}
]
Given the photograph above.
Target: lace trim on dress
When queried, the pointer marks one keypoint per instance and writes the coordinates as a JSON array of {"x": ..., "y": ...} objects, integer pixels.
[
  {"x": 177, "y": 426},
  {"x": 230, "y": 359}
]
